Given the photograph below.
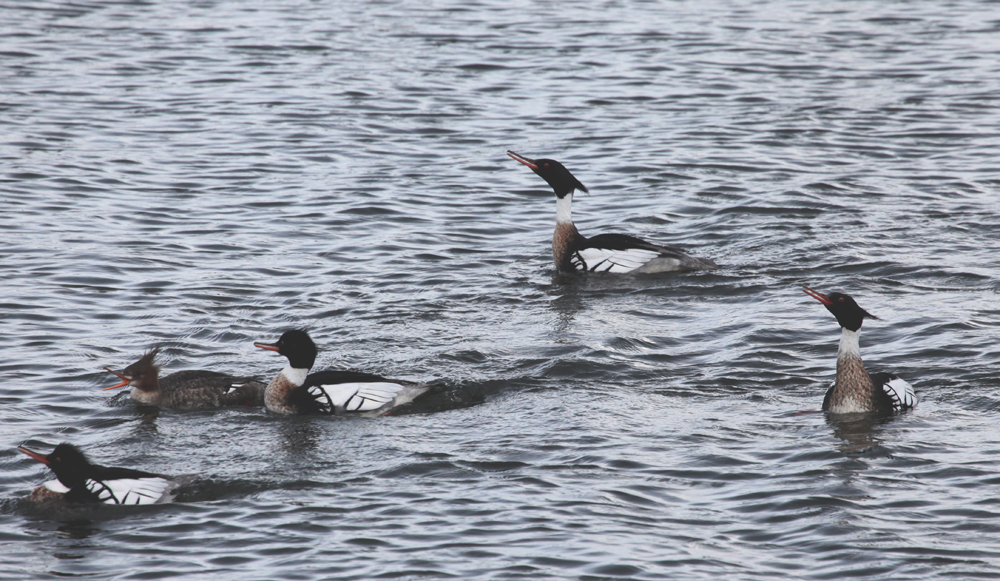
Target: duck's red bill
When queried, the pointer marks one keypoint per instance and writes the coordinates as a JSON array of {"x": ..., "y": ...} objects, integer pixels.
[
  {"x": 125, "y": 380},
  {"x": 817, "y": 295},
  {"x": 268, "y": 346},
  {"x": 517, "y": 157},
  {"x": 40, "y": 457}
]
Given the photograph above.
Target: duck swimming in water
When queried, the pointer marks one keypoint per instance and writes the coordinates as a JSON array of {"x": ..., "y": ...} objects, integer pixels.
[
  {"x": 80, "y": 481},
  {"x": 855, "y": 390},
  {"x": 618, "y": 253},
  {"x": 187, "y": 390},
  {"x": 296, "y": 391}
]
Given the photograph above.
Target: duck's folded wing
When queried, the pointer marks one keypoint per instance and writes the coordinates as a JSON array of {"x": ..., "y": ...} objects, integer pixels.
[
  {"x": 334, "y": 390},
  {"x": 356, "y": 397},
  {"x": 131, "y": 490},
  {"x": 624, "y": 253},
  {"x": 899, "y": 391},
  {"x": 614, "y": 253}
]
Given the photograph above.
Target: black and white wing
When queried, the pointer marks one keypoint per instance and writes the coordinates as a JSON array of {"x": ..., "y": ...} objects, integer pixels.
[
  {"x": 897, "y": 389},
  {"x": 336, "y": 391},
  {"x": 605, "y": 260},
  {"x": 360, "y": 397},
  {"x": 619, "y": 253},
  {"x": 131, "y": 490}
]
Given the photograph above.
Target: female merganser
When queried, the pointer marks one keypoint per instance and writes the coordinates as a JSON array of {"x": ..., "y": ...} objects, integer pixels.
[
  {"x": 187, "y": 390},
  {"x": 854, "y": 389},
  {"x": 296, "y": 391},
  {"x": 574, "y": 252},
  {"x": 80, "y": 481}
]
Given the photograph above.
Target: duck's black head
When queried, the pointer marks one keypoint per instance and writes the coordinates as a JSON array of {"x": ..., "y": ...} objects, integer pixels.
[
  {"x": 849, "y": 314},
  {"x": 66, "y": 460},
  {"x": 296, "y": 346},
  {"x": 553, "y": 172}
]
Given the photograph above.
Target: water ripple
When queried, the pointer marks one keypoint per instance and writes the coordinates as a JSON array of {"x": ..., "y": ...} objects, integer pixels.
[{"x": 200, "y": 176}]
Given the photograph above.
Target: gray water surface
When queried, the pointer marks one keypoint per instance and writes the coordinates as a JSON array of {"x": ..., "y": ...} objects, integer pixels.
[{"x": 201, "y": 175}]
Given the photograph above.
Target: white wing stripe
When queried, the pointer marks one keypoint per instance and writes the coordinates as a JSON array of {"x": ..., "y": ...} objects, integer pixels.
[
  {"x": 618, "y": 261},
  {"x": 129, "y": 490},
  {"x": 360, "y": 397},
  {"x": 901, "y": 392}
]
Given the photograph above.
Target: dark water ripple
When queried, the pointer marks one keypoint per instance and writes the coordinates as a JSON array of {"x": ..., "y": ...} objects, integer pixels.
[{"x": 200, "y": 175}]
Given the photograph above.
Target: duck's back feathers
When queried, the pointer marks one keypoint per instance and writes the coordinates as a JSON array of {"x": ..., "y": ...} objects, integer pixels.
[
  {"x": 199, "y": 389},
  {"x": 194, "y": 378}
]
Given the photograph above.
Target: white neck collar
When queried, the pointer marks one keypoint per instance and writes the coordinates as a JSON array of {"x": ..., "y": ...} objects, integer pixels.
[
  {"x": 849, "y": 346},
  {"x": 296, "y": 376},
  {"x": 564, "y": 209}
]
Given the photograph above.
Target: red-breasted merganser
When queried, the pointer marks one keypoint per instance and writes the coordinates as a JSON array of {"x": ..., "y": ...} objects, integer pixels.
[
  {"x": 296, "y": 391},
  {"x": 619, "y": 253},
  {"x": 187, "y": 390},
  {"x": 77, "y": 480},
  {"x": 854, "y": 389}
]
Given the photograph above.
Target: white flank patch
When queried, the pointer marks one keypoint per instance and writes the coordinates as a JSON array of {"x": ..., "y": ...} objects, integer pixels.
[
  {"x": 564, "y": 209},
  {"x": 618, "y": 261},
  {"x": 130, "y": 490},
  {"x": 902, "y": 393},
  {"x": 56, "y": 486},
  {"x": 295, "y": 375},
  {"x": 361, "y": 397}
]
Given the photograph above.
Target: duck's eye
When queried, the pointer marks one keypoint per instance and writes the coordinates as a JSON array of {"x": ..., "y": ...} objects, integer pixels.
[
  {"x": 841, "y": 299},
  {"x": 546, "y": 166}
]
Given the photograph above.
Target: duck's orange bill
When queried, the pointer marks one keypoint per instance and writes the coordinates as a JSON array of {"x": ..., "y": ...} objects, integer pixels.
[
  {"x": 268, "y": 346},
  {"x": 818, "y": 296},
  {"x": 125, "y": 380},
  {"x": 526, "y": 161},
  {"x": 40, "y": 457}
]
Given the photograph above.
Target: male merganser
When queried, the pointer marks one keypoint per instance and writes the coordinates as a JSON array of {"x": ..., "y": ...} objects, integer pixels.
[
  {"x": 187, "y": 390},
  {"x": 80, "y": 481},
  {"x": 854, "y": 389},
  {"x": 574, "y": 252},
  {"x": 296, "y": 391}
]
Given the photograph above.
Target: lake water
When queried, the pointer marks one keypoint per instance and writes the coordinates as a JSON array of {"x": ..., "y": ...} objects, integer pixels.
[{"x": 200, "y": 175}]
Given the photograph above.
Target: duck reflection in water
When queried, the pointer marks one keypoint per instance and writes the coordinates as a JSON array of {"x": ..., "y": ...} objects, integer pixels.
[
  {"x": 857, "y": 431},
  {"x": 298, "y": 435},
  {"x": 566, "y": 301}
]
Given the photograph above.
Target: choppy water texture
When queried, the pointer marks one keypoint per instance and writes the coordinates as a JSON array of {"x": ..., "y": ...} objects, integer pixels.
[{"x": 200, "y": 175}]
